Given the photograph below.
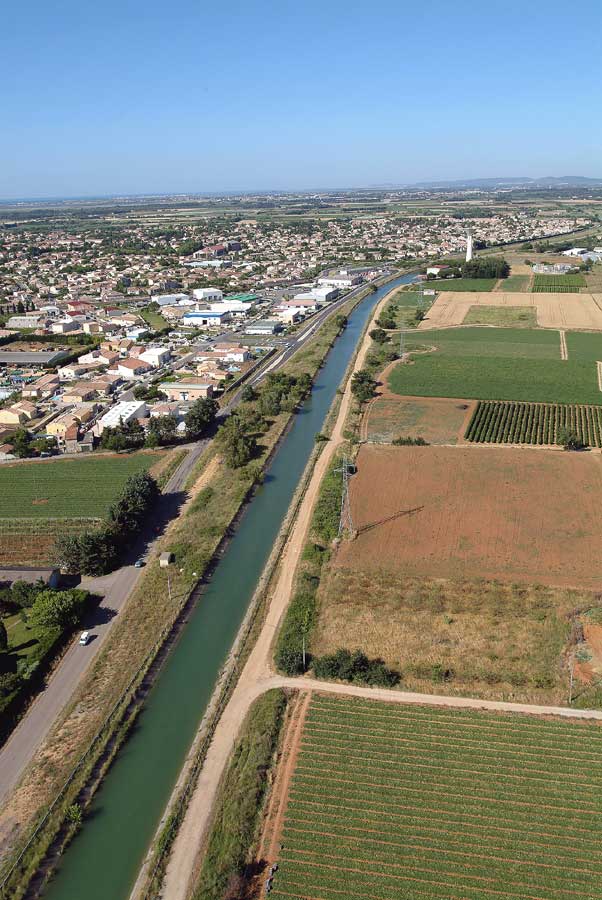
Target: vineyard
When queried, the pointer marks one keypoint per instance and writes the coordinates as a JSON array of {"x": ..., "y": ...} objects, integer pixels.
[
  {"x": 558, "y": 284},
  {"x": 68, "y": 488},
  {"x": 498, "y": 422},
  {"x": 32, "y": 541},
  {"x": 397, "y": 802}
]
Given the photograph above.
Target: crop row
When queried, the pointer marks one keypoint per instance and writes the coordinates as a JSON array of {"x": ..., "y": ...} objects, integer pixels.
[
  {"x": 506, "y": 422},
  {"x": 568, "y": 738},
  {"x": 485, "y": 739},
  {"x": 558, "y": 283},
  {"x": 478, "y": 827},
  {"x": 408, "y": 850},
  {"x": 412, "y": 802}
]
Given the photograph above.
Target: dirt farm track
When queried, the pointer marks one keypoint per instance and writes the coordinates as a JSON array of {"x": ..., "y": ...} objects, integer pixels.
[
  {"x": 464, "y": 512},
  {"x": 576, "y": 311}
]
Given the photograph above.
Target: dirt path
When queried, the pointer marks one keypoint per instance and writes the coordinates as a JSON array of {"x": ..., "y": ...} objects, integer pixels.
[
  {"x": 270, "y": 843},
  {"x": 258, "y": 676},
  {"x": 182, "y": 864},
  {"x": 564, "y": 353}
]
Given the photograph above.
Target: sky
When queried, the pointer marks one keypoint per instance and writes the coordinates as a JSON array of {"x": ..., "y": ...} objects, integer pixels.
[{"x": 130, "y": 97}]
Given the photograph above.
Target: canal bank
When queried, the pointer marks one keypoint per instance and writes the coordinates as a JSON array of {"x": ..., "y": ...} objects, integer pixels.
[{"x": 104, "y": 858}]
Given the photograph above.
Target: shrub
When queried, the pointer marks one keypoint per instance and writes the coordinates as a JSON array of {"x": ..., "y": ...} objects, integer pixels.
[{"x": 355, "y": 667}]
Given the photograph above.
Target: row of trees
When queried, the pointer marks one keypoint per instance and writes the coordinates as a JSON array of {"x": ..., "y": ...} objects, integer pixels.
[
  {"x": 237, "y": 437},
  {"x": 97, "y": 551}
]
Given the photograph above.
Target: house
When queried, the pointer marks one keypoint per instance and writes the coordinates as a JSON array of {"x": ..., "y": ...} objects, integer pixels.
[
  {"x": 264, "y": 326},
  {"x": 59, "y": 427},
  {"x": 73, "y": 370},
  {"x": 64, "y": 326},
  {"x": 133, "y": 368},
  {"x": 18, "y": 413},
  {"x": 232, "y": 352},
  {"x": 79, "y": 393},
  {"x": 41, "y": 387},
  {"x": 186, "y": 390}
]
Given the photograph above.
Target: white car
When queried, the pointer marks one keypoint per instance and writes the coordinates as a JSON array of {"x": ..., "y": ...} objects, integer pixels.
[{"x": 84, "y": 638}]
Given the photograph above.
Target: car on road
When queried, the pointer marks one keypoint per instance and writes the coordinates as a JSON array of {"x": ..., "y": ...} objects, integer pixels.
[
  {"x": 84, "y": 638},
  {"x": 139, "y": 563}
]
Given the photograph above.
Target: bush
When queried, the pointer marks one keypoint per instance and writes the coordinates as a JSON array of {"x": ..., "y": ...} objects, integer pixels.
[
  {"x": 409, "y": 442},
  {"x": 355, "y": 667}
]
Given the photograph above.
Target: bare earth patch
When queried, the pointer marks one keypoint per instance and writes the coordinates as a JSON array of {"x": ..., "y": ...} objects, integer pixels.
[{"x": 514, "y": 514}]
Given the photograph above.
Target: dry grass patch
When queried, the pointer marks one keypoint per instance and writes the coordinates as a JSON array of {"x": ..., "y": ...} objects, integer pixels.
[
  {"x": 484, "y": 638},
  {"x": 438, "y": 421}
]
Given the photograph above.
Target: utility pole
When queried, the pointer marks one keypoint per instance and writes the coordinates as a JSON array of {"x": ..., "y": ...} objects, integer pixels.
[
  {"x": 571, "y": 674},
  {"x": 401, "y": 344},
  {"x": 346, "y": 518}
]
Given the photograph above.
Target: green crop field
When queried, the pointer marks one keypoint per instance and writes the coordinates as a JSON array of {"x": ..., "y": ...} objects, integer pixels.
[
  {"x": 482, "y": 364},
  {"x": 515, "y": 283},
  {"x": 462, "y": 284},
  {"x": 393, "y": 802},
  {"x": 503, "y": 316},
  {"x": 533, "y": 423},
  {"x": 584, "y": 345},
  {"x": 558, "y": 284},
  {"x": 67, "y": 488}
]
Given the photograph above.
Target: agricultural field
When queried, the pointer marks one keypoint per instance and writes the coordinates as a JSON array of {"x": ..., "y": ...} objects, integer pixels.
[
  {"x": 584, "y": 345},
  {"x": 533, "y": 423},
  {"x": 395, "y": 802},
  {"x": 514, "y": 283},
  {"x": 67, "y": 488},
  {"x": 465, "y": 512},
  {"x": 462, "y": 284},
  {"x": 482, "y": 638},
  {"x": 438, "y": 421},
  {"x": 558, "y": 284},
  {"x": 503, "y": 316},
  {"x": 481, "y": 364},
  {"x": 568, "y": 311}
]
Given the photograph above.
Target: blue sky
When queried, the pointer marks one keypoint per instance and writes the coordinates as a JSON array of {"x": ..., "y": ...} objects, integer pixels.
[{"x": 135, "y": 97}]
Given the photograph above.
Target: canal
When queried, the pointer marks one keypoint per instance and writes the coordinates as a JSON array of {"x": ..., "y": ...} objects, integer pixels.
[{"x": 104, "y": 859}]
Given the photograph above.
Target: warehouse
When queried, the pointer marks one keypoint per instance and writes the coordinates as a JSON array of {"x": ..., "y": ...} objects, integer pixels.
[{"x": 31, "y": 357}]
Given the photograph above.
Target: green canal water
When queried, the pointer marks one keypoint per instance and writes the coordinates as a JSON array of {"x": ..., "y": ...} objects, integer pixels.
[{"x": 103, "y": 861}]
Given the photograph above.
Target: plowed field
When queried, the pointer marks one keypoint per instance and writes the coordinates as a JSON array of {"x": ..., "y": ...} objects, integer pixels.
[{"x": 514, "y": 514}]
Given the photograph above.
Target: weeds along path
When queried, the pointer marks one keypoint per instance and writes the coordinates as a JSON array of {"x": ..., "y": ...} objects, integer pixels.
[{"x": 183, "y": 862}]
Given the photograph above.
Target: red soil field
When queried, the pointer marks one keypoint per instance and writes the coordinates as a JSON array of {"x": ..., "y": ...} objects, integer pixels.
[{"x": 467, "y": 512}]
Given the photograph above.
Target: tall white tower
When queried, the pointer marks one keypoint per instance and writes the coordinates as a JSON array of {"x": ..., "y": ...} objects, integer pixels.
[{"x": 468, "y": 245}]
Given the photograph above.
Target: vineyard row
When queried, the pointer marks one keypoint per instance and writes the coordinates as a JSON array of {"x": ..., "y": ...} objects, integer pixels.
[{"x": 504, "y": 422}]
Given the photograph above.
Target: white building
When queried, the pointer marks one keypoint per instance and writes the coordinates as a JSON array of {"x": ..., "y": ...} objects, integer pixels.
[
  {"x": 155, "y": 356},
  {"x": 574, "y": 251},
  {"x": 208, "y": 295},
  {"x": 321, "y": 295},
  {"x": 205, "y": 318},
  {"x": 341, "y": 280},
  {"x": 123, "y": 412},
  {"x": 169, "y": 299},
  {"x": 266, "y": 326}
]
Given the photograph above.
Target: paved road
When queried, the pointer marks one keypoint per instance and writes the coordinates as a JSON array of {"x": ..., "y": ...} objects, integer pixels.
[{"x": 115, "y": 588}]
